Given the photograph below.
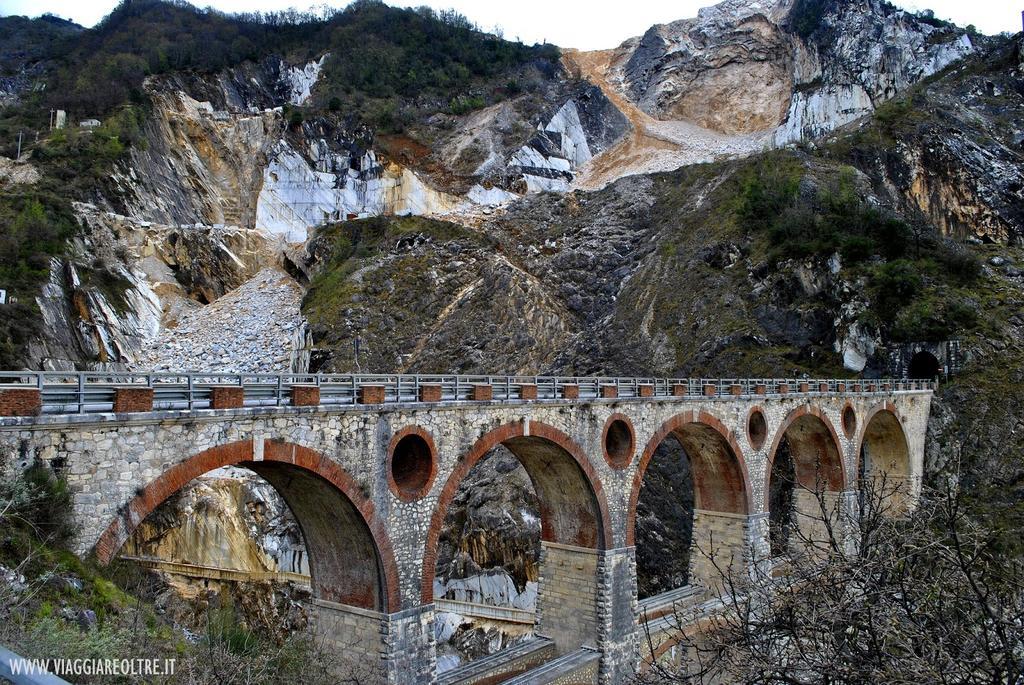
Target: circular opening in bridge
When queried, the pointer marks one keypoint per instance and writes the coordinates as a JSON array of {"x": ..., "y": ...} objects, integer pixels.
[
  {"x": 618, "y": 441},
  {"x": 924, "y": 365},
  {"x": 757, "y": 429},
  {"x": 411, "y": 465},
  {"x": 849, "y": 421}
]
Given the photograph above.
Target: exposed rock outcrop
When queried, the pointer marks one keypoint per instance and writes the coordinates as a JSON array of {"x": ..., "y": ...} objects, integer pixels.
[
  {"x": 17, "y": 172},
  {"x": 490, "y": 543},
  {"x": 701, "y": 69},
  {"x": 855, "y": 56},
  {"x": 228, "y": 519},
  {"x": 953, "y": 149},
  {"x": 296, "y": 196},
  {"x": 816, "y": 65},
  {"x": 301, "y": 80},
  {"x": 128, "y": 279},
  {"x": 220, "y": 151},
  {"x": 195, "y": 167},
  {"x": 649, "y": 275}
]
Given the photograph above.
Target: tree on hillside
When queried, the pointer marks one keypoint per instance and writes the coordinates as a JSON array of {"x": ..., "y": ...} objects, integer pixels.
[{"x": 935, "y": 595}]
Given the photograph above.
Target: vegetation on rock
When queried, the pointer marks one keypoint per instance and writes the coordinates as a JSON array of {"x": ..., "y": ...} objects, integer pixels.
[
  {"x": 55, "y": 605},
  {"x": 928, "y": 596}
]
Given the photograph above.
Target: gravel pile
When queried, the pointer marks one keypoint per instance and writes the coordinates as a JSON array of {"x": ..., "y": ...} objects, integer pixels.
[{"x": 255, "y": 328}]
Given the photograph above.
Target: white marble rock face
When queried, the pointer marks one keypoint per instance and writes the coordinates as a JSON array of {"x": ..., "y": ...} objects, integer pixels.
[
  {"x": 574, "y": 151},
  {"x": 296, "y": 197},
  {"x": 300, "y": 80}
]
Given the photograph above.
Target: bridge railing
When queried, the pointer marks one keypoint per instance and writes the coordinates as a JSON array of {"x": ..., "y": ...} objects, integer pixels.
[{"x": 95, "y": 391}]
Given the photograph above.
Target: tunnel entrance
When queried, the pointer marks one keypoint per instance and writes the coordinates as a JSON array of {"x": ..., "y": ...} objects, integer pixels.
[{"x": 924, "y": 365}]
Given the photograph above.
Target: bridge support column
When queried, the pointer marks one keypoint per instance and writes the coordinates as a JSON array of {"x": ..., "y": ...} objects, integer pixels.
[
  {"x": 567, "y": 595},
  {"x": 377, "y": 648},
  {"x": 848, "y": 527},
  {"x": 617, "y": 607},
  {"x": 822, "y": 522},
  {"x": 726, "y": 545},
  {"x": 409, "y": 636}
]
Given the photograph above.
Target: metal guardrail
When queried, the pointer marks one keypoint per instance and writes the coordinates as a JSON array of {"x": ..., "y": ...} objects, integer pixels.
[
  {"x": 486, "y": 611},
  {"x": 560, "y": 669},
  {"x": 471, "y": 609},
  {"x": 658, "y": 605},
  {"x": 216, "y": 572},
  {"x": 93, "y": 391},
  {"x": 505, "y": 663}
]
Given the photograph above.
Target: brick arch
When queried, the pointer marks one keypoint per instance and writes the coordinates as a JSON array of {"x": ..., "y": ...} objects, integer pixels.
[
  {"x": 323, "y": 497},
  {"x": 547, "y": 454},
  {"x": 890, "y": 431},
  {"x": 723, "y": 485},
  {"x": 814, "y": 438}
]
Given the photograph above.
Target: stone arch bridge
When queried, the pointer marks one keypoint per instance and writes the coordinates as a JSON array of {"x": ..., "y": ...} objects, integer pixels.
[{"x": 370, "y": 464}]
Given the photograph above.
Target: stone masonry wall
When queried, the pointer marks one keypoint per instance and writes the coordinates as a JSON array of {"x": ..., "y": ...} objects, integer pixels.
[
  {"x": 353, "y": 636},
  {"x": 811, "y": 519},
  {"x": 111, "y": 460},
  {"x": 618, "y": 608},
  {"x": 721, "y": 547},
  {"x": 567, "y": 596}
]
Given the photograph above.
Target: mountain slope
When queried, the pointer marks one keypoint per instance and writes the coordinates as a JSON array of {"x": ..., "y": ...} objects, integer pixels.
[{"x": 817, "y": 65}]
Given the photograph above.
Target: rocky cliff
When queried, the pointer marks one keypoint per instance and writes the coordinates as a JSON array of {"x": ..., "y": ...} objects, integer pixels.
[
  {"x": 223, "y": 150},
  {"x": 952, "y": 148},
  {"x": 228, "y": 519},
  {"x": 818, "y": 64},
  {"x": 126, "y": 280},
  {"x": 253, "y": 146},
  {"x": 817, "y": 261}
]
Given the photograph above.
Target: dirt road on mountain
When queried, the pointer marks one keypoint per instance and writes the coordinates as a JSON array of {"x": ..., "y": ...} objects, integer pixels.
[{"x": 652, "y": 145}]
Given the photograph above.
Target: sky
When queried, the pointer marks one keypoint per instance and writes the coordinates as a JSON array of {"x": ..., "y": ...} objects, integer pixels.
[{"x": 584, "y": 24}]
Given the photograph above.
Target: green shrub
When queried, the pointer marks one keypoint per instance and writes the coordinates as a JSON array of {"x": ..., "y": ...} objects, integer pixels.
[
  {"x": 35, "y": 509},
  {"x": 815, "y": 213},
  {"x": 375, "y": 49},
  {"x": 856, "y": 248},
  {"x": 960, "y": 264},
  {"x": 919, "y": 321},
  {"x": 463, "y": 105},
  {"x": 961, "y": 315},
  {"x": 892, "y": 286},
  {"x": 827, "y": 217},
  {"x": 225, "y": 629}
]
